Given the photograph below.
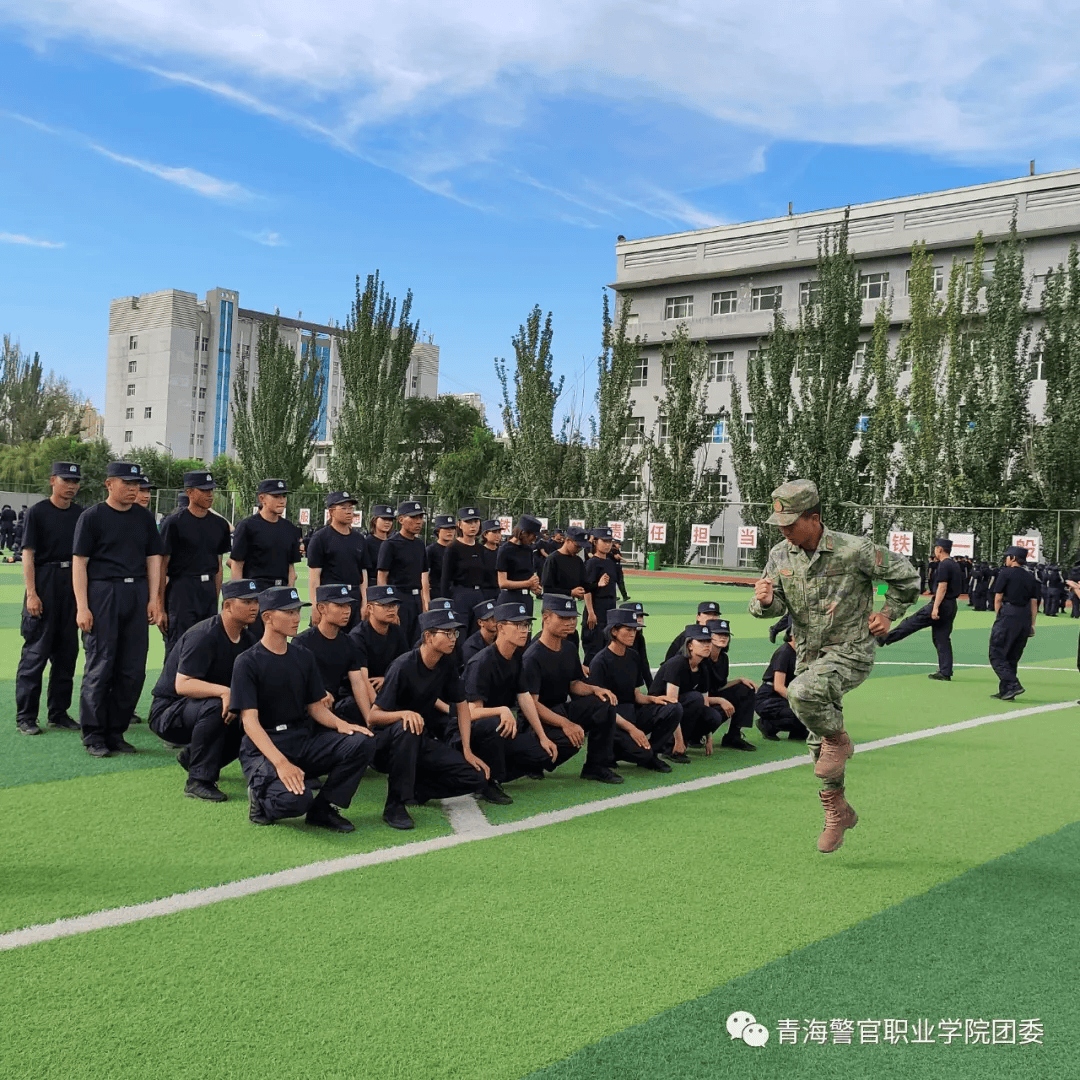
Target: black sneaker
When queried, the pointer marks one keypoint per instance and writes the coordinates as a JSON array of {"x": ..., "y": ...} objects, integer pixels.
[
  {"x": 602, "y": 774},
  {"x": 183, "y": 759},
  {"x": 120, "y": 746},
  {"x": 656, "y": 765},
  {"x": 938, "y": 677},
  {"x": 325, "y": 816},
  {"x": 98, "y": 749},
  {"x": 765, "y": 735},
  {"x": 678, "y": 758},
  {"x": 996, "y": 696},
  {"x": 1011, "y": 695},
  {"x": 737, "y": 744},
  {"x": 27, "y": 727},
  {"x": 64, "y": 723},
  {"x": 255, "y": 810},
  {"x": 534, "y": 776},
  {"x": 199, "y": 789},
  {"x": 397, "y": 817},
  {"x": 493, "y": 793}
]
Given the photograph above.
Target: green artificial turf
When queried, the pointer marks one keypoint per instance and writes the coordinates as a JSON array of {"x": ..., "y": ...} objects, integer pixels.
[
  {"x": 498, "y": 957},
  {"x": 999, "y": 942}
]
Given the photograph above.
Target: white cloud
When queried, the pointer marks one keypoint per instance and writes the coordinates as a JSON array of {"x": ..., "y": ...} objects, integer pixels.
[
  {"x": 266, "y": 238},
  {"x": 29, "y": 241}
]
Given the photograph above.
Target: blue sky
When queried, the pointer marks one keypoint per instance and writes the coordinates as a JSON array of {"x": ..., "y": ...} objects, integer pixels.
[{"x": 483, "y": 155}]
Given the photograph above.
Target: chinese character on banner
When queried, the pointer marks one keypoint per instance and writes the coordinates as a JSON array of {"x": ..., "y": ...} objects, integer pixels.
[
  {"x": 305, "y": 516},
  {"x": 577, "y": 523},
  {"x": 357, "y": 518},
  {"x": 963, "y": 545},
  {"x": 748, "y": 536},
  {"x": 657, "y": 532},
  {"x": 901, "y": 543},
  {"x": 699, "y": 535},
  {"x": 507, "y": 525},
  {"x": 618, "y": 530},
  {"x": 543, "y": 523},
  {"x": 949, "y": 1030},
  {"x": 1030, "y": 544}
]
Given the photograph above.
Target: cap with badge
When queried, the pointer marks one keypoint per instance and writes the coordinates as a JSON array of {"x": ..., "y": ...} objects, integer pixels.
[
  {"x": 410, "y": 509},
  {"x": 240, "y": 589},
  {"x": 381, "y": 510},
  {"x": 484, "y": 610},
  {"x": 566, "y": 606},
  {"x": 577, "y": 535},
  {"x": 335, "y": 594},
  {"x": 617, "y": 617},
  {"x": 125, "y": 470},
  {"x": 67, "y": 470},
  {"x": 491, "y": 525},
  {"x": 600, "y": 533},
  {"x": 1017, "y": 552},
  {"x": 468, "y": 513},
  {"x": 339, "y": 498},
  {"x": 145, "y": 482},
  {"x": 280, "y": 598},
  {"x": 200, "y": 479},
  {"x": 718, "y": 626},
  {"x": 708, "y": 607},
  {"x": 383, "y": 594},
  {"x": 440, "y": 619},
  {"x": 636, "y": 606},
  {"x": 529, "y": 524},
  {"x": 444, "y": 521},
  {"x": 697, "y": 632},
  {"x": 273, "y": 487},
  {"x": 791, "y": 500},
  {"x": 440, "y": 602},
  {"x": 512, "y": 613}
]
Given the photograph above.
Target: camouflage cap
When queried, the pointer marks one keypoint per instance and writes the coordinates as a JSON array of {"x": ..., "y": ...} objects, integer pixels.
[{"x": 792, "y": 499}]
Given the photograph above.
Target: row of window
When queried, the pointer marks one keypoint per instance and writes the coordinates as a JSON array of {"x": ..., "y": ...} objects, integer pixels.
[{"x": 129, "y": 412}]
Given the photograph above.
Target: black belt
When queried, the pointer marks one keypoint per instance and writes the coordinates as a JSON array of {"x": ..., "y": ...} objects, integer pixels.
[
  {"x": 1019, "y": 607},
  {"x": 64, "y": 565},
  {"x": 125, "y": 580},
  {"x": 192, "y": 577}
]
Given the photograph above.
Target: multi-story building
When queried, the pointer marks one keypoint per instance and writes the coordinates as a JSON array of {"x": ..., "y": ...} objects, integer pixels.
[
  {"x": 725, "y": 284},
  {"x": 172, "y": 366}
]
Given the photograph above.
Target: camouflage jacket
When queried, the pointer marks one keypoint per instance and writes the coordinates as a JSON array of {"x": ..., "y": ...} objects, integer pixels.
[{"x": 829, "y": 593}]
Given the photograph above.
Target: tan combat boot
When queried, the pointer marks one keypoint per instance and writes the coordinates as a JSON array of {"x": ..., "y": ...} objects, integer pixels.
[
  {"x": 839, "y": 817},
  {"x": 835, "y": 750}
]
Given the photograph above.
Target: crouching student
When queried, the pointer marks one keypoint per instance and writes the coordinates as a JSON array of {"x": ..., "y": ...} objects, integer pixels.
[
  {"x": 736, "y": 694},
  {"x": 771, "y": 700},
  {"x": 290, "y": 736}
]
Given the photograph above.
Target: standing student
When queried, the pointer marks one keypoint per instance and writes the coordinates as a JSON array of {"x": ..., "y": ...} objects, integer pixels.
[
  {"x": 1016, "y": 603},
  {"x": 518, "y": 580},
  {"x": 601, "y": 596},
  {"x": 620, "y": 577},
  {"x": 194, "y": 539},
  {"x": 146, "y": 490},
  {"x": 50, "y": 635},
  {"x": 771, "y": 700},
  {"x": 380, "y": 525},
  {"x": 491, "y": 539},
  {"x": 266, "y": 546},
  {"x": 463, "y": 570},
  {"x": 335, "y": 555},
  {"x": 445, "y": 533},
  {"x": 403, "y": 563},
  {"x": 116, "y": 576}
]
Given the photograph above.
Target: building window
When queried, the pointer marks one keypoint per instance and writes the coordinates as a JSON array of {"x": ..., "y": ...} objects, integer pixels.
[
  {"x": 202, "y": 393},
  {"x": 862, "y": 425},
  {"x": 809, "y": 293},
  {"x": 766, "y": 299},
  {"x": 720, "y": 432},
  {"x": 1038, "y": 369},
  {"x": 127, "y": 435},
  {"x": 129, "y": 413},
  {"x": 722, "y": 366},
  {"x": 133, "y": 342},
  {"x": 640, "y": 375},
  {"x": 679, "y": 307},
  {"x": 146, "y": 412},
  {"x": 245, "y": 352},
  {"x": 725, "y": 303},
  {"x": 714, "y": 553},
  {"x": 635, "y": 431},
  {"x": 193, "y": 416},
  {"x": 720, "y": 488},
  {"x": 746, "y": 558},
  {"x": 191, "y": 445},
  {"x": 662, "y": 430},
  {"x": 198, "y": 440},
  {"x": 748, "y": 425},
  {"x": 205, "y": 344},
  {"x": 939, "y": 280},
  {"x": 202, "y": 418},
  {"x": 202, "y": 370},
  {"x": 132, "y": 366},
  {"x": 873, "y": 286},
  {"x": 130, "y": 389},
  {"x": 665, "y": 371},
  {"x": 860, "y": 358}
]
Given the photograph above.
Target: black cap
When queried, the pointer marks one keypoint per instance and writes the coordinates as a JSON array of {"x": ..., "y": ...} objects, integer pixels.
[
  {"x": 440, "y": 603},
  {"x": 145, "y": 482},
  {"x": 384, "y": 594},
  {"x": 280, "y": 598},
  {"x": 600, "y": 533},
  {"x": 239, "y": 589},
  {"x": 273, "y": 487},
  {"x": 636, "y": 606},
  {"x": 708, "y": 607},
  {"x": 199, "y": 478},
  {"x": 125, "y": 470},
  {"x": 561, "y": 605},
  {"x": 944, "y": 543},
  {"x": 335, "y": 594},
  {"x": 336, "y": 498},
  {"x": 69, "y": 470},
  {"x": 409, "y": 509},
  {"x": 491, "y": 525},
  {"x": 718, "y": 626},
  {"x": 529, "y": 524},
  {"x": 444, "y": 521},
  {"x": 512, "y": 613},
  {"x": 468, "y": 513},
  {"x": 383, "y": 511},
  {"x": 619, "y": 617},
  {"x": 440, "y": 619},
  {"x": 579, "y": 536},
  {"x": 485, "y": 609},
  {"x": 697, "y": 632},
  {"x": 1017, "y": 552}
]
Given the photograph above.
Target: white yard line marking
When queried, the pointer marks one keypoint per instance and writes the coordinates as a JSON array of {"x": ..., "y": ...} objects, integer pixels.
[
  {"x": 233, "y": 890},
  {"x": 466, "y": 818}
]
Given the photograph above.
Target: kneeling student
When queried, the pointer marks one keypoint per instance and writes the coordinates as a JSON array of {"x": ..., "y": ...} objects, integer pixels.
[
  {"x": 771, "y": 703},
  {"x": 192, "y": 706},
  {"x": 289, "y": 733}
]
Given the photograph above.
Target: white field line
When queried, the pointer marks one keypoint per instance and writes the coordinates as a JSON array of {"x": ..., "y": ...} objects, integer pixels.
[{"x": 233, "y": 890}]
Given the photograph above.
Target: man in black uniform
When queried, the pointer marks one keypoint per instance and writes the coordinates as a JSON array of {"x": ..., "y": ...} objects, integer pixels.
[
  {"x": 946, "y": 585},
  {"x": 266, "y": 546},
  {"x": 146, "y": 489},
  {"x": 1055, "y": 591},
  {"x": 116, "y": 578},
  {"x": 491, "y": 541},
  {"x": 601, "y": 596},
  {"x": 645, "y": 724},
  {"x": 335, "y": 555},
  {"x": 620, "y": 577},
  {"x": 639, "y": 646},
  {"x": 290, "y": 736},
  {"x": 48, "y": 623},
  {"x": 1016, "y": 603},
  {"x": 564, "y": 569},
  {"x": 484, "y": 615},
  {"x": 568, "y": 707},
  {"x": 403, "y": 563},
  {"x": 7, "y": 526},
  {"x": 770, "y": 701},
  {"x": 445, "y": 526},
  {"x": 194, "y": 539},
  {"x": 191, "y": 706},
  {"x": 379, "y": 638},
  {"x": 707, "y": 611}
]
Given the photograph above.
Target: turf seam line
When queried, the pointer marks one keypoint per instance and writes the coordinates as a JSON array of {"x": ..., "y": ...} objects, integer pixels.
[{"x": 234, "y": 890}]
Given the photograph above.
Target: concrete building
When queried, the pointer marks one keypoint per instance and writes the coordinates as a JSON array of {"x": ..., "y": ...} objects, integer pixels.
[
  {"x": 475, "y": 400},
  {"x": 724, "y": 284},
  {"x": 172, "y": 363}
]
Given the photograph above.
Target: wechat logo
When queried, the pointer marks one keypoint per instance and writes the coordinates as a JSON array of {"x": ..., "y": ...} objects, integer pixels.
[{"x": 742, "y": 1025}]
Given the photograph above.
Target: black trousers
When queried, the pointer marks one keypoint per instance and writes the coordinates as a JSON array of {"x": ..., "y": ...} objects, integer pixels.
[
  {"x": 188, "y": 600},
  {"x": 115, "y": 665},
  {"x": 979, "y": 597},
  {"x": 699, "y": 719},
  {"x": 1008, "y": 639},
  {"x": 742, "y": 698},
  {"x": 464, "y": 600},
  {"x": 940, "y": 629},
  {"x": 594, "y": 640},
  {"x": 320, "y": 752},
  {"x": 775, "y": 715},
  {"x": 409, "y": 609},
  {"x": 657, "y": 721},
  {"x": 198, "y": 724},
  {"x": 1055, "y": 601},
  {"x": 597, "y": 717},
  {"x": 507, "y": 758},
  {"x": 57, "y": 643}
]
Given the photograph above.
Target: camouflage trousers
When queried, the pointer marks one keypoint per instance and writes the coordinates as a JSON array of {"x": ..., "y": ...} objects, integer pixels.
[{"x": 816, "y": 697}]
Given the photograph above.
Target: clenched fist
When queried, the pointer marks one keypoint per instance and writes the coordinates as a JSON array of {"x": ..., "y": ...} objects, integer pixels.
[{"x": 763, "y": 592}]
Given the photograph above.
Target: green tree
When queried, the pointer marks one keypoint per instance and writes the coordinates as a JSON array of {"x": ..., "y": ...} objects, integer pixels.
[
  {"x": 886, "y": 417},
  {"x": 33, "y": 405},
  {"x": 375, "y": 346},
  {"x": 27, "y": 466},
  {"x": 431, "y": 428},
  {"x": 477, "y": 470},
  {"x": 274, "y": 420}
]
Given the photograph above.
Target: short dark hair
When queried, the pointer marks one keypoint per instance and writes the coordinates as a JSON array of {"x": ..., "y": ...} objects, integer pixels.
[{"x": 815, "y": 509}]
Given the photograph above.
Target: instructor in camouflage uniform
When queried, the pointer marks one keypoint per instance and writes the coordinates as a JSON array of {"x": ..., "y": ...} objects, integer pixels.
[{"x": 825, "y": 581}]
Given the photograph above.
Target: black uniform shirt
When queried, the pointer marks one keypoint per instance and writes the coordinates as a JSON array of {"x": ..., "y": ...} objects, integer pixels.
[
  {"x": 595, "y": 569},
  {"x": 473, "y": 644},
  {"x": 490, "y": 559},
  {"x": 280, "y": 687},
  {"x": 340, "y": 556},
  {"x": 677, "y": 670},
  {"x": 563, "y": 573},
  {"x": 1016, "y": 585},
  {"x": 50, "y": 532},
  {"x": 718, "y": 671},
  {"x": 116, "y": 542},
  {"x": 462, "y": 567},
  {"x": 515, "y": 561},
  {"x": 335, "y": 658},
  {"x": 411, "y": 684},
  {"x": 204, "y": 652},
  {"x": 376, "y": 651},
  {"x": 404, "y": 560},
  {"x": 370, "y": 562},
  {"x": 494, "y": 680},
  {"x": 622, "y": 675},
  {"x": 436, "y": 555},
  {"x": 548, "y": 674},
  {"x": 949, "y": 571},
  {"x": 194, "y": 544},
  {"x": 642, "y": 650},
  {"x": 266, "y": 548},
  {"x": 783, "y": 661}
]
